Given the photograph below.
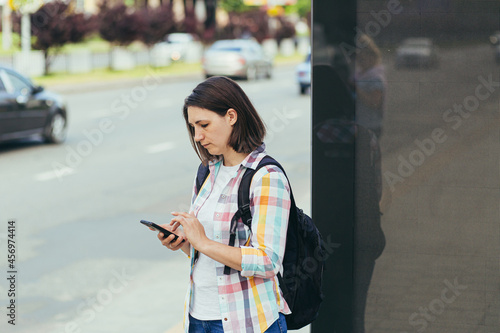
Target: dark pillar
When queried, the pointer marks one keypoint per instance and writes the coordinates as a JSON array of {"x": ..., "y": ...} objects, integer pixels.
[{"x": 333, "y": 157}]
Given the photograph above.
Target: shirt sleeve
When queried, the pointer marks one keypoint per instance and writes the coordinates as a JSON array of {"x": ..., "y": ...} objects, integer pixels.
[{"x": 270, "y": 208}]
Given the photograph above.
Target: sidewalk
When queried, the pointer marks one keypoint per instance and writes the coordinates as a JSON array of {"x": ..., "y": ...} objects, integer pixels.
[
  {"x": 117, "y": 83},
  {"x": 114, "y": 82}
]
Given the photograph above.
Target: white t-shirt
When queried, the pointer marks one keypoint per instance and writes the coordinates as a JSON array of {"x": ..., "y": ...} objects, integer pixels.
[{"x": 205, "y": 305}]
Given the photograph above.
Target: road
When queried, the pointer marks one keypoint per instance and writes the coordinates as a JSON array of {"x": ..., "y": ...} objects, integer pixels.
[{"x": 84, "y": 262}]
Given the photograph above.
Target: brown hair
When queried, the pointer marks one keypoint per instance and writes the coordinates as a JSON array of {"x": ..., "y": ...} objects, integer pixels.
[
  {"x": 370, "y": 50},
  {"x": 219, "y": 94}
]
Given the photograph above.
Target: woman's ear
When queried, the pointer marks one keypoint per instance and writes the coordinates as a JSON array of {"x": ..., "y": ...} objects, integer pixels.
[{"x": 231, "y": 116}]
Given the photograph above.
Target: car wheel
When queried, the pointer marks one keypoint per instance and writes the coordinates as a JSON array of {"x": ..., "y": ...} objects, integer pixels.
[
  {"x": 57, "y": 129},
  {"x": 251, "y": 73},
  {"x": 269, "y": 73}
]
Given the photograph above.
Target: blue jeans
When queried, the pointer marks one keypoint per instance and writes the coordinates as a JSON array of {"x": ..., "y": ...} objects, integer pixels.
[{"x": 215, "y": 326}]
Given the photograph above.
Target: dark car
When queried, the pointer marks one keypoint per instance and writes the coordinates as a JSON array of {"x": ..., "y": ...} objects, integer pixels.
[
  {"x": 27, "y": 110},
  {"x": 417, "y": 52}
]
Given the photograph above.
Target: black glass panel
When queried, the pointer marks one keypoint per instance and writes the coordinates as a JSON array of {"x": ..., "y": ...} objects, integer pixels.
[{"x": 406, "y": 178}]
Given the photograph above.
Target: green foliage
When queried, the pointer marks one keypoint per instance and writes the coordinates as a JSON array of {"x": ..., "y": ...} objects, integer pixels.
[
  {"x": 302, "y": 8},
  {"x": 16, "y": 44},
  {"x": 234, "y": 6}
]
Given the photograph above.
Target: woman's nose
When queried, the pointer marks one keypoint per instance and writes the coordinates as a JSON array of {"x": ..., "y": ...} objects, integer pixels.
[{"x": 197, "y": 135}]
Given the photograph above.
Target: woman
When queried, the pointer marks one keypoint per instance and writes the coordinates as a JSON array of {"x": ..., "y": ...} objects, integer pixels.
[
  {"x": 227, "y": 133},
  {"x": 370, "y": 86}
]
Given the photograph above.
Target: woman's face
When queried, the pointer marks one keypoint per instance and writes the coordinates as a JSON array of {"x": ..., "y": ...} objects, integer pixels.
[{"x": 211, "y": 130}]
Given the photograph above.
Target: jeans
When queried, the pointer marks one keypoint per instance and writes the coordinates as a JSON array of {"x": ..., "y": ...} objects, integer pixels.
[{"x": 215, "y": 326}]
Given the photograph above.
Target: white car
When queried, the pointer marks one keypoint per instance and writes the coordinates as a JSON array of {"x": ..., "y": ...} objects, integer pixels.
[
  {"x": 417, "y": 52},
  {"x": 239, "y": 58},
  {"x": 179, "y": 43},
  {"x": 303, "y": 72}
]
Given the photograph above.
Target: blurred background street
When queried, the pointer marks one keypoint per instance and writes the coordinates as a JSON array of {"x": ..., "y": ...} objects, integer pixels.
[
  {"x": 79, "y": 227},
  {"x": 86, "y": 264}
]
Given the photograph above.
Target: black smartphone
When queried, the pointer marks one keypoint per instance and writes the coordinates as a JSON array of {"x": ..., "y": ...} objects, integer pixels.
[{"x": 158, "y": 228}]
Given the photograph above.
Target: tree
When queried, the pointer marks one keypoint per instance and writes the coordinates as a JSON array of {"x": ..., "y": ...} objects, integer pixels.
[
  {"x": 254, "y": 23},
  {"x": 82, "y": 26},
  {"x": 190, "y": 22},
  {"x": 234, "y": 6},
  {"x": 158, "y": 22},
  {"x": 210, "y": 20},
  {"x": 302, "y": 8},
  {"x": 286, "y": 29},
  {"x": 55, "y": 24},
  {"x": 119, "y": 24},
  {"x": 205, "y": 30}
]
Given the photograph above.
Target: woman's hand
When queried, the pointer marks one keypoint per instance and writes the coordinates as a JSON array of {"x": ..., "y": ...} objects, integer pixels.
[
  {"x": 195, "y": 233},
  {"x": 168, "y": 241},
  {"x": 193, "y": 229}
]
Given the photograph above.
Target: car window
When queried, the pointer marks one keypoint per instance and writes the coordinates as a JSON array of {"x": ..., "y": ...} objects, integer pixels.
[
  {"x": 18, "y": 83},
  {"x": 228, "y": 48},
  {"x": 256, "y": 49}
]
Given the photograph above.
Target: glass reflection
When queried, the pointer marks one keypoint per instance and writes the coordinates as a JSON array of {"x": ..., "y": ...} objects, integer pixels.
[{"x": 412, "y": 105}]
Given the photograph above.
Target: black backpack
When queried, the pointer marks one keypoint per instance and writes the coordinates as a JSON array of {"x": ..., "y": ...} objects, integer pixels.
[{"x": 305, "y": 254}]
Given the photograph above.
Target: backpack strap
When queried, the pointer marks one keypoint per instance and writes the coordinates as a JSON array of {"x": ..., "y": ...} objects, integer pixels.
[
  {"x": 243, "y": 211},
  {"x": 201, "y": 176},
  {"x": 245, "y": 195}
]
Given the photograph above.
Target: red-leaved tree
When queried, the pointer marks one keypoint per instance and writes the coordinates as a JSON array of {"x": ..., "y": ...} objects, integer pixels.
[
  {"x": 253, "y": 23},
  {"x": 286, "y": 29},
  {"x": 119, "y": 24},
  {"x": 158, "y": 22},
  {"x": 55, "y": 24}
]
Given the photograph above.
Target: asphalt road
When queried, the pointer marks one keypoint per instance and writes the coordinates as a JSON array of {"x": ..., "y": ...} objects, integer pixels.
[{"x": 84, "y": 262}]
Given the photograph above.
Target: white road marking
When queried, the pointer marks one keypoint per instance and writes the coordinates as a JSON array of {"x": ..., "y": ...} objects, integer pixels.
[
  {"x": 161, "y": 147},
  {"x": 49, "y": 175},
  {"x": 103, "y": 113},
  {"x": 161, "y": 104}
]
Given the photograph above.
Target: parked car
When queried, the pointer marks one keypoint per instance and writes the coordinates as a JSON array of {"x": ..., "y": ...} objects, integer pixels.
[
  {"x": 495, "y": 43},
  {"x": 303, "y": 72},
  {"x": 496, "y": 53},
  {"x": 495, "y": 38},
  {"x": 27, "y": 110},
  {"x": 179, "y": 43},
  {"x": 239, "y": 58},
  {"x": 417, "y": 52}
]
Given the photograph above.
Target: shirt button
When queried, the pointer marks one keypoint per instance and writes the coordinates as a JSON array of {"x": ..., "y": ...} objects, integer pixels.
[{"x": 223, "y": 196}]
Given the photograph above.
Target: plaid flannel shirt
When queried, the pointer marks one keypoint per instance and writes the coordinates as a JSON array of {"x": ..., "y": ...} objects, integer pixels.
[{"x": 250, "y": 300}]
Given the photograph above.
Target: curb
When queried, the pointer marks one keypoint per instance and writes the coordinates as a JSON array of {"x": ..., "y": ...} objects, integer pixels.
[{"x": 75, "y": 88}]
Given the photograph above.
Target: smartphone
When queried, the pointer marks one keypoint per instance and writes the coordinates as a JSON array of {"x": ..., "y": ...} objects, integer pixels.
[{"x": 158, "y": 228}]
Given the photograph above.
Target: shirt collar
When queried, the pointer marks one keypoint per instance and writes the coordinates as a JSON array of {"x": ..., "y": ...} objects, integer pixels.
[{"x": 251, "y": 161}]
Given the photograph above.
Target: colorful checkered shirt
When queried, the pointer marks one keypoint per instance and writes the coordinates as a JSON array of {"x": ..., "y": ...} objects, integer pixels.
[{"x": 250, "y": 300}]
